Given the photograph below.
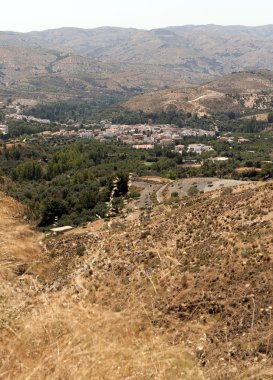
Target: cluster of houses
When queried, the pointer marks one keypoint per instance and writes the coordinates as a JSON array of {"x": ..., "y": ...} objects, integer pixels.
[
  {"x": 145, "y": 136},
  {"x": 139, "y": 136},
  {"x": 137, "y": 140}
]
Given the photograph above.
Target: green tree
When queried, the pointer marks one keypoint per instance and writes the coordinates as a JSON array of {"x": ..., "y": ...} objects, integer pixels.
[
  {"x": 27, "y": 171},
  {"x": 52, "y": 210},
  {"x": 122, "y": 184},
  {"x": 88, "y": 199},
  {"x": 231, "y": 115}
]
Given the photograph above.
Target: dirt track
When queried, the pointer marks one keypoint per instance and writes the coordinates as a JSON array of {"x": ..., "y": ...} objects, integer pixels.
[
  {"x": 159, "y": 189},
  {"x": 205, "y": 185}
]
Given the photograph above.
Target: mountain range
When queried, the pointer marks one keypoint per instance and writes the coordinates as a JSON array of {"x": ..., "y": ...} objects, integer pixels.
[{"x": 66, "y": 62}]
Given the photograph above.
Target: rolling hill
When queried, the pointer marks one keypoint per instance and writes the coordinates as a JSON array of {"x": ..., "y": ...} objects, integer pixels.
[
  {"x": 233, "y": 92},
  {"x": 43, "y": 74}
]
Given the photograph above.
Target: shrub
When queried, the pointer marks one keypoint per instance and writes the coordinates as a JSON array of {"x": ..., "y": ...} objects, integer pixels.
[
  {"x": 52, "y": 210},
  {"x": 80, "y": 250},
  {"x": 226, "y": 191},
  {"x": 192, "y": 191}
]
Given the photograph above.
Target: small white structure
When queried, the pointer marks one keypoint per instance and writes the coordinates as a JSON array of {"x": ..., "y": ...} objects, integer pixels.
[
  {"x": 60, "y": 230},
  {"x": 4, "y": 129},
  {"x": 241, "y": 140},
  {"x": 219, "y": 159},
  {"x": 143, "y": 146}
]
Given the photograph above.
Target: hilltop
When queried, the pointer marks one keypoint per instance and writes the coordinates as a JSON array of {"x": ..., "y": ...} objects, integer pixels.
[
  {"x": 233, "y": 92},
  {"x": 194, "y": 274}
]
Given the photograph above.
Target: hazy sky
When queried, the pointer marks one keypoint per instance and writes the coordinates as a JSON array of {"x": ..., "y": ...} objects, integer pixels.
[{"x": 27, "y": 15}]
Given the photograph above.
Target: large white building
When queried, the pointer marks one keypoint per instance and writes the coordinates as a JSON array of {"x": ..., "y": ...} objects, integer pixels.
[{"x": 199, "y": 148}]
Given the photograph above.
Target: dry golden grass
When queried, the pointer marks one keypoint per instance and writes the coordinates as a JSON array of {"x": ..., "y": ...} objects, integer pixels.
[
  {"x": 19, "y": 243},
  {"x": 59, "y": 335},
  {"x": 196, "y": 273},
  {"x": 259, "y": 116},
  {"x": 63, "y": 339}
]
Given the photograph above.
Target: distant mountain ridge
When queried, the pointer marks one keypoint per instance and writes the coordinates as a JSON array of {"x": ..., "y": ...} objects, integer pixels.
[
  {"x": 229, "y": 47},
  {"x": 69, "y": 61}
]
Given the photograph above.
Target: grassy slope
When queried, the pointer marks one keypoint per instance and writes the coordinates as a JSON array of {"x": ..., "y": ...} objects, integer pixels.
[
  {"x": 47, "y": 335},
  {"x": 195, "y": 273}
]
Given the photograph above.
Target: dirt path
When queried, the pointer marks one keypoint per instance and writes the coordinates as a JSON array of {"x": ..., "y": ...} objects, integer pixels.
[
  {"x": 182, "y": 186},
  {"x": 161, "y": 193},
  {"x": 159, "y": 189},
  {"x": 208, "y": 95},
  {"x": 149, "y": 186}
]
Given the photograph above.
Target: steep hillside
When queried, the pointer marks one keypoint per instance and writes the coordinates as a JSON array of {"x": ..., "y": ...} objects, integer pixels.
[
  {"x": 233, "y": 92},
  {"x": 201, "y": 271},
  {"x": 49, "y": 334},
  {"x": 125, "y": 296}
]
